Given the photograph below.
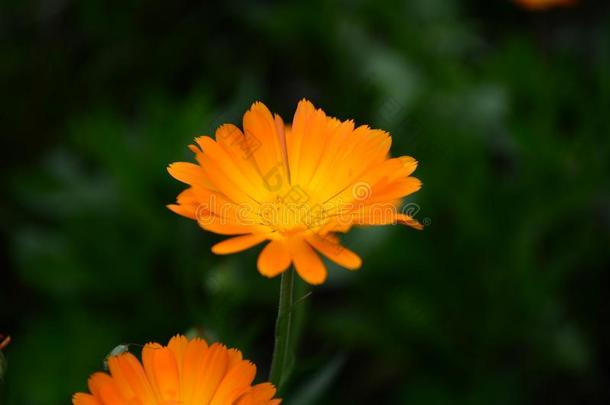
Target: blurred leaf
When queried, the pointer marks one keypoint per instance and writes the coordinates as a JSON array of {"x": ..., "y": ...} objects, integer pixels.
[{"x": 312, "y": 391}]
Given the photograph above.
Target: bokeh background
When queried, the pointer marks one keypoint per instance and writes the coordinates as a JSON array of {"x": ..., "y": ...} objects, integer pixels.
[{"x": 502, "y": 299}]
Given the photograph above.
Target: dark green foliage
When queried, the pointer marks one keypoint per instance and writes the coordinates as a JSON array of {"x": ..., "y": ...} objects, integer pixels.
[{"x": 500, "y": 300}]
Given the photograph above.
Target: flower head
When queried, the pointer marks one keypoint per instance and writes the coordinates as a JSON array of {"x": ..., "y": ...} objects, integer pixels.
[
  {"x": 185, "y": 372},
  {"x": 294, "y": 186}
]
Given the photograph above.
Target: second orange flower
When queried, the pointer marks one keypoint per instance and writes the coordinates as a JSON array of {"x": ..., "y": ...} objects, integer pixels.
[{"x": 294, "y": 186}]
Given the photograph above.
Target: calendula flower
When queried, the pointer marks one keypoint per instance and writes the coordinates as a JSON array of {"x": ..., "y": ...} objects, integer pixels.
[
  {"x": 544, "y": 4},
  {"x": 295, "y": 186},
  {"x": 185, "y": 372}
]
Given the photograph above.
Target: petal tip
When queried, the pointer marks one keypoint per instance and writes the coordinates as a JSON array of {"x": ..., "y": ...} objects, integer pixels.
[{"x": 357, "y": 265}]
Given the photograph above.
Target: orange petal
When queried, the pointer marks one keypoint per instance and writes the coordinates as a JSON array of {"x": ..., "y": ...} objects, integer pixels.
[
  {"x": 404, "y": 219},
  {"x": 234, "y": 357},
  {"x": 397, "y": 189},
  {"x": 259, "y": 394},
  {"x": 189, "y": 173},
  {"x": 193, "y": 361},
  {"x": 162, "y": 371},
  {"x": 184, "y": 210},
  {"x": 236, "y": 145},
  {"x": 312, "y": 149},
  {"x": 335, "y": 251},
  {"x": 230, "y": 169},
  {"x": 235, "y": 383},
  {"x": 328, "y": 161},
  {"x": 103, "y": 387},
  {"x": 273, "y": 259},
  {"x": 222, "y": 174},
  {"x": 307, "y": 262},
  {"x": 384, "y": 217},
  {"x": 84, "y": 399},
  {"x": 238, "y": 243},
  {"x": 130, "y": 378},
  {"x": 295, "y": 137},
  {"x": 260, "y": 130},
  {"x": 209, "y": 375},
  {"x": 223, "y": 227},
  {"x": 97, "y": 381},
  {"x": 177, "y": 345},
  {"x": 409, "y": 165},
  {"x": 359, "y": 161},
  {"x": 187, "y": 204}
]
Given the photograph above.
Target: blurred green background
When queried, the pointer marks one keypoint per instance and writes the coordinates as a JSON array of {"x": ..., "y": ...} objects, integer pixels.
[{"x": 502, "y": 299}]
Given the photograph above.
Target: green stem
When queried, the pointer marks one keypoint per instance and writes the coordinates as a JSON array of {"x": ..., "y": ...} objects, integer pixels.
[{"x": 282, "y": 351}]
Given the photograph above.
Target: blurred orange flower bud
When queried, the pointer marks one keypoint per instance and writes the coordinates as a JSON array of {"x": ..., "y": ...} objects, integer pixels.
[{"x": 538, "y": 5}]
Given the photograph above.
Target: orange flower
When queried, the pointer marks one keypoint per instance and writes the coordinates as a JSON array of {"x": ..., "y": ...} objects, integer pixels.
[
  {"x": 294, "y": 186},
  {"x": 185, "y": 372},
  {"x": 544, "y": 4}
]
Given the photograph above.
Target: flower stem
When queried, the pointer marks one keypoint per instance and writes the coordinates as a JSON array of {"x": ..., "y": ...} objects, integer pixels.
[{"x": 282, "y": 359}]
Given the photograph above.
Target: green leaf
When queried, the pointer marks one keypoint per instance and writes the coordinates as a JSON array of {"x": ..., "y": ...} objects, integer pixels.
[{"x": 312, "y": 390}]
